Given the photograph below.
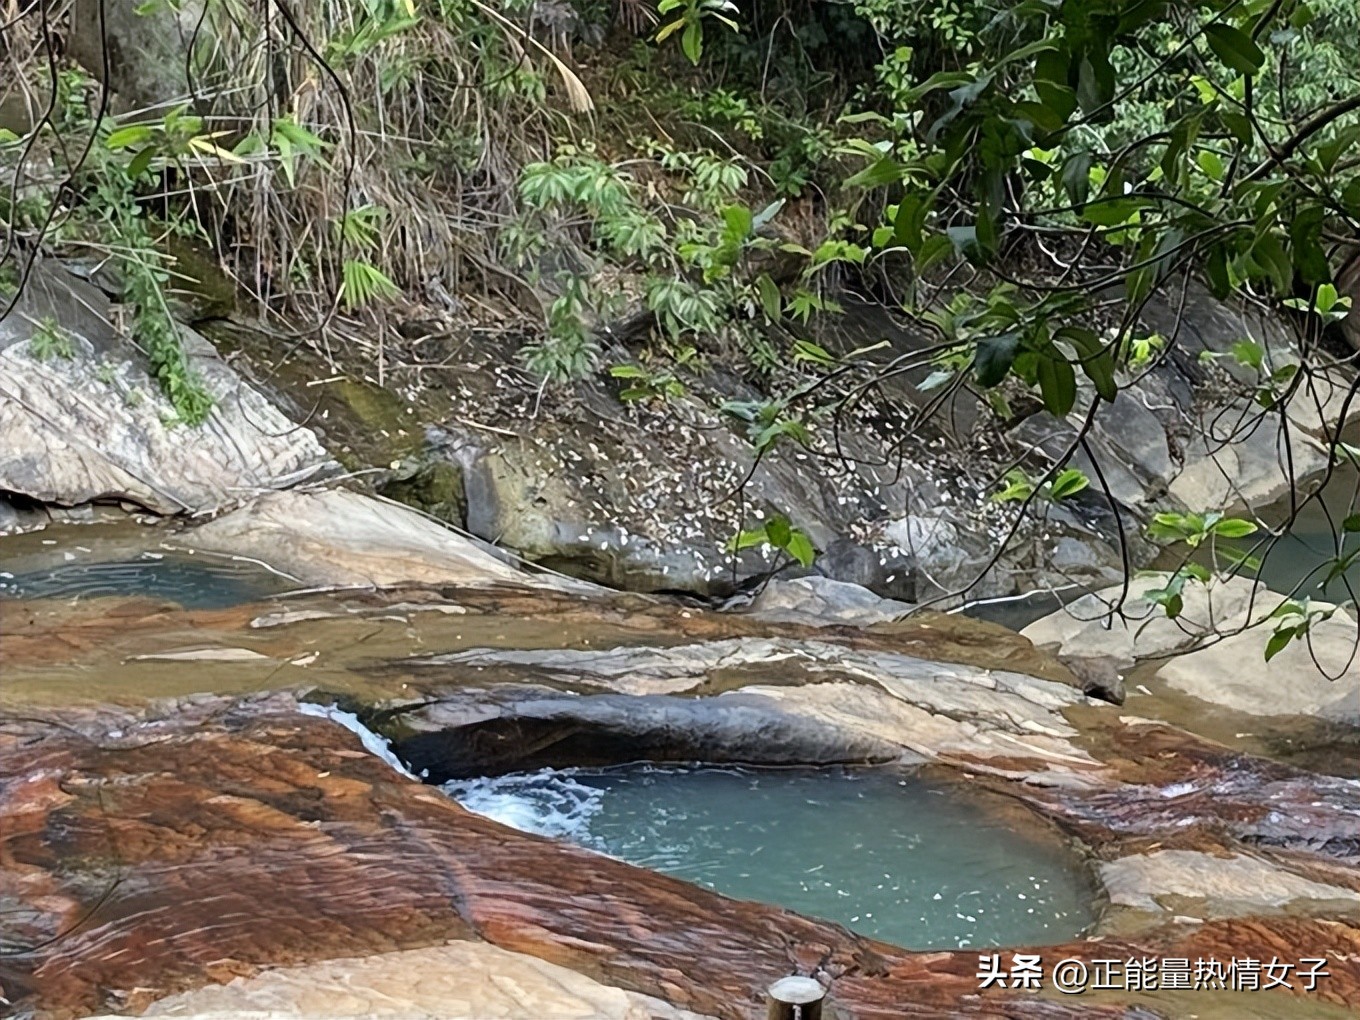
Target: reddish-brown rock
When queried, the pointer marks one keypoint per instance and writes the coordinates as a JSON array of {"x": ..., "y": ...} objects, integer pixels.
[{"x": 140, "y": 858}]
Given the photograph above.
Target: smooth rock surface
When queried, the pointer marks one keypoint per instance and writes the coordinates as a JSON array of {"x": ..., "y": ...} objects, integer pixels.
[
  {"x": 250, "y": 836},
  {"x": 1096, "y": 625},
  {"x": 459, "y": 979},
  {"x": 820, "y": 601},
  {"x": 1229, "y": 885},
  {"x": 334, "y": 537},
  {"x": 1318, "y": 677},
  {"x": 97, "y": 426},
  {"x": 777, "y": 701}
]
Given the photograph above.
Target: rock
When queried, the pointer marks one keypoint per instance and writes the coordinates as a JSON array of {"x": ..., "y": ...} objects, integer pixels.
[
  {"x": 334, "y": 537},
  {"x": 433, "y": 486},
  {"x": 1242, "y": 458},
  {"x": 1318, "y": 678},
  {"x": 646, "y": 504},
  {"x": 822, "y": 602},
  {"x": 95, "y": 426},
  {"x": 147, "y": 854},
  {"x": 148, "y": 47},
  {"x": 459, "y": 738},
  {"x": 238, "y": 828},
  {"x": 946, "y": 559},
  {"x": 17, "y": 517},
  {"x": 1225, "y": 886},
  {"x": 1089, "y": 627},
  {"x": 1101, "y": 676},
  {"x": 778, "y": 701},
  {"x": 458, "y": 979}
]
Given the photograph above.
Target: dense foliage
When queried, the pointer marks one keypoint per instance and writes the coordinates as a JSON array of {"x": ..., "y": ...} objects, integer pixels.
[{"x": 1022, "y": 180}]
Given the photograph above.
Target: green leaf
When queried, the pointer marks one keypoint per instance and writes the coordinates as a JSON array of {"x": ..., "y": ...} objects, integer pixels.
[
  {"x": 141, "y": 162},
  {"x": 1351, "y": 523},
  {"x": 1068, "y": 482},
  {"x": 994, "y": 357},
  {"x": 129, "y": 137},
  {"x": 1057, "y": 384},
  {"x": 1095, "y": 84},
  {"x": 738, "y": 219},
  {"x": 806, "y": 350},
  {"x": 1234, "y": 527},
  {"x": 747, "y": 539},
  {"x": 1096, "y": 360},
  {"x": 1309, "y": 259},
  {"x": 885, "y": 171},
  {"x": 779, "y": 531},
  {"x": 1249, "y": 354},
  {"x": 1076, "y": 178},
  {"x": 800, "y": 548},
  {"x": 1235, "y": 48},
  {"x": 692, "y": 41},
  {"x": 910, "y": 220},
  {"x": 771, "y": 302},
  {"x": 1279, "y": 641}
]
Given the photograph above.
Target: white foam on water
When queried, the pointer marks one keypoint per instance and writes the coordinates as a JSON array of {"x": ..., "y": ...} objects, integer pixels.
[
  {"x": 547, "y": 803},
  {"x": 378, "y": 745}
]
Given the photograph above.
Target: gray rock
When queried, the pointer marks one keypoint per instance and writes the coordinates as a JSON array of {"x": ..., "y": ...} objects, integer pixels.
[
  {"x": 148, "y": 46},
  {"x": 1097, "y": 626},
  {"x": 785, "y": 701},
  {"x": 333, "y": 537},
  {"x": 96, "y": 426},
  {"x": 1318, "y": 678},
  {"x": 1232, "y": 886},
  {"x": 1252, "y": 471},
  {"x": 1101, "y": 676},
  {"x": 822, "y": 602}
]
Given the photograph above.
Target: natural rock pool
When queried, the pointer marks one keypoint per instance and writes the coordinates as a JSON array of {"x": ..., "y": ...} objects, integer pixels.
[
  {"x": 194, "y": 582},
  {"x": 889, "y": 854}
]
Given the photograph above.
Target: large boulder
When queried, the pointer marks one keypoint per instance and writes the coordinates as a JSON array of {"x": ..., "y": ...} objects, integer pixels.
[
  {"x": 83, "y": 419},
  {"x": 143, "y": 48},
  {"x": 335, "y": 537},
  {"x": 1318, "y": 677},
  {"x": 1123, "y": 625},
  {"x": 1215, "y": 648}
]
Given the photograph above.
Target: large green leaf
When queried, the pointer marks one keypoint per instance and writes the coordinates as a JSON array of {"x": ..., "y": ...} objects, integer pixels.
[
  {"x": 1234, "y": 47},
  {"x": 995, "y": 355},
  {"x": 1057, "y": 383},
  {"x": 1096, "y": 360}
]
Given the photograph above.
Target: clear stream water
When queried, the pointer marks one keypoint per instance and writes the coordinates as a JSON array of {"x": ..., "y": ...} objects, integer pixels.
[
  {"x": 195, "y": 582},
  {"x": 887, "y": 853}
]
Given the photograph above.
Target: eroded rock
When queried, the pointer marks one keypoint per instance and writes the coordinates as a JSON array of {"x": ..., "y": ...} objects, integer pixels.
[
  {"x": 458, "y": 979},
  {"x": 820, "y": 601},
  {"x": 334, "y": 537},
  {"x": 120, "y": 439}
]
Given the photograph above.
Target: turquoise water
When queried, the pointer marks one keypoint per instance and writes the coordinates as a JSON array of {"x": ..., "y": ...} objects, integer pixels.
[
  {"x": 195, "y": 582},
  {"x": 886, "y": 853}
]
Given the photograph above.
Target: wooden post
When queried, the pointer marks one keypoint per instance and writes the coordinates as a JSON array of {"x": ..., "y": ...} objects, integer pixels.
[{"x": 796, "y": 998}]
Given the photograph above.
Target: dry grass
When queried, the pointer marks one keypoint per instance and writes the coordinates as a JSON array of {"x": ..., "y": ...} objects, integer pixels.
[{"x": 426, "y": 111}]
